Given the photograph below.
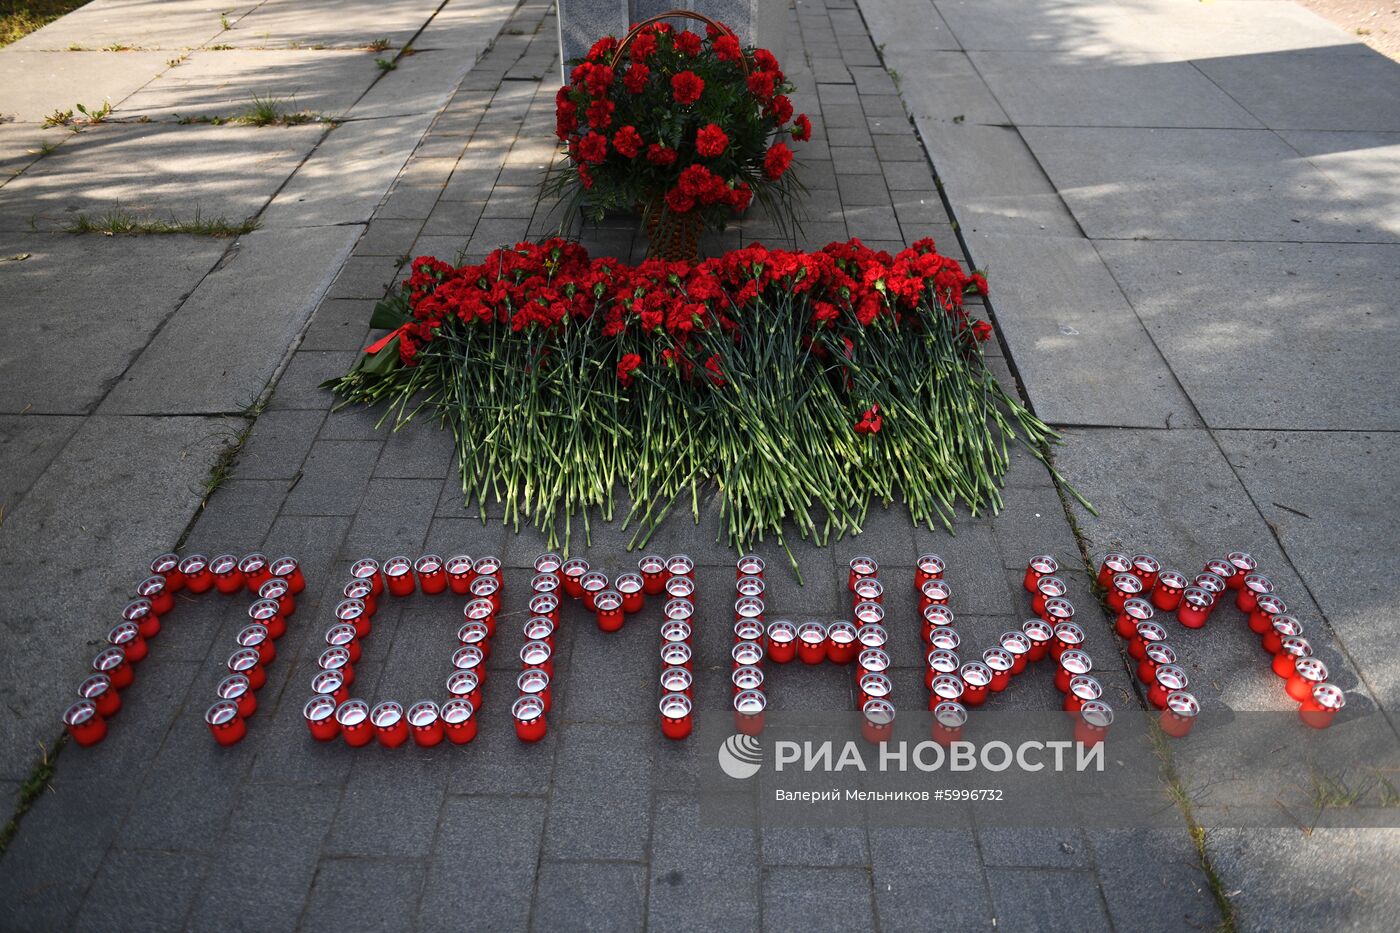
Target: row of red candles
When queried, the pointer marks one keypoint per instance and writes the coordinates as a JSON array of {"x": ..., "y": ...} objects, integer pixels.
[{"x": 274, "y": 582}]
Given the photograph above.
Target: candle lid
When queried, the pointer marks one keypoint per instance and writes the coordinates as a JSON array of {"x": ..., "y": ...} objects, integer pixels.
[
  {"x": 675, "y": 706},
  {"x": 1198, "y": 598},
  {"x": 1172, "y": 579},
  {"x": 750, "y": 586},
  {"x": 950, "y": 715},
  {"x": 137, "y": 609},
  {"x": 428, "y": 563},
  {"x": 976, "y": 674},
  {"x": 478, "y": 609},
  {"x": 355, "y": 589},
  {"x": 937, "y": 590},
  {"x": 1220, "y": 567},
  {"x": 327, "y": 681},
  {"x": 108, "y": 659},
  {"x": 869, "y": 613},
  {"x": 782, "y": 631},
  {"x": 1243, "y": 561},
  {"x": 812, "y": 633},
  {"x": 397, "y": 566},
  {"x": 469, "y": 657},
  {"x": 675, "y": 652},
  {"x": 1212, "y": 583},
  {"x": 333, "y": 659},
  {"x": 680, "y": 587},
  {"x": 386, "y": 715},
  {"x": 746, "y": 677},
  {"x": 750, "y": 565},
  {"x": 1139, "y": 609},
  {"x": 1311, "y": 668},
  {"x": 195, "y": 563},
  {"x": 875, "y": 684},
  {"x": 747, "y": 652},
  {"x": 750, "y": 702},
  {"x": 250, "y": 636},
  {"x": 537, "y": 628},
  {"x": 1076, "y": 662},
  {"x": 318, "y": 709},
  {"x": 1015, "y": 642},
  {"x": 678, "y": 610},
  {"x": 336, "y": 635},
  {"x": 1096, "y": 713},
  {"x": 936, "y": 615},
  {"x": 608, "y": 601},
  {"x": 651, "y": 564},
  {"x": 348, "y": 610},
  {"x": 1085, "y": 687},
  {"x": 1060, "y": 608},
  {"x": 872, "y": 635},
  {"x": 1286, "y": 625},
  {"x": 532, "y": 681},
  {"x": 150, "y": 586},
  {"x": 221, "y": 713},
  {"x": 283, "y": 566},
  {"x": 1127, "y": 583},
  {"x": 1038, "y": 630},
  {"x": 675, "y": 630},
  {"x": 123, "y": 633},
  {"x": 1329, "y": 696},
  {"x": 999, "y": 659},
  {"x": 574, "y": 567},
  {"x": 459, "y": 564},
  {"x": 879, "y": 712},
  {"x": 1068, "y": 633},
  {"x": 423, "y": 714},
  {"x": 1183, "y": 704},
  {"x": 944, "y": 637},
  {"x": 233, "y": 687},
  {"x": 942, "y": 660},
  {"x": 483, "y": 587},
  {"x": 678, "y": 679},
  {"x": 276, "y": 588},
  {"x": 1258, "y": 583},
  {"x": 80, "y": 713},
  {"x": 1271, "y": 605},
  {"x": 463, "y": 683},
  {"x": 594, "y": 582},
  {"x": 869, "y": 589},
  {"x": 457, "y": 711},
  {"x": 532, "y": 653},
  {"x": 244, "y": 659},
  {"x": 488, "y": 565},
  {"x": 748, "y": 630},
  {"x": 680, "y": 564},
  {"x": 748, "y": 607},
  {"x": 628, "y": 583},
  {"x": 864, "y": 566},
  {"x": 95, "y": 686},
  {"x": 1044, "y": 564},
  {"x": 1159, "y": 652},
  {"x": 264, "y": 610},
  {"x": 548, "y": 562},
  {"x": 1051, "y": 586},
  {"x": 352, "y": 712},
  {"x": 1148, "y": 630},
  {"x": 841, "y": 633},
  {"x": 1117, "y": 562},
  {"x": 1171, "y": 677},
  {"x": 527, "y": 708},
  {"x": 542, "y": 604},
  {"x": 224, "y": 563},
  {"x": 1146, "y": 563},
  {"x": 873, "y": 659},
  {"x": 474, "y": 632},
  {"x": 932, "y": 563},
  {"x": 947, "y": 687},
  {"x": 165, "y": 563}
]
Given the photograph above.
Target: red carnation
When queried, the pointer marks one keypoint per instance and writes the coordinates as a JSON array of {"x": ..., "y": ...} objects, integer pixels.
[
  {"x": 688, "y": 44},
  {"x": 978, "y": 284},
  {"x": 695, "y": 180},
  {"x": 762, "y": 84},
  {"x": 710, "y": 141},
  {"x": 686, "y": 87},
  {"x": 600, "y": 78},
  {"x": 628, "y": 141},
  {"x": 870, "y": 421},
  {"x": 657, "y": 154},
  {"x": 781, "y": 109},
  {"x": 714, "y": 371},
  {"x": 644, "y": 46},
  {"x": 766, "y": 61},
  {"x": 565, "y": 119},
  {"x": 635, "y": 81},
  {"x": 594, "y": 148},
  {"x": 602, "y": 49},
  {"x": 585, "y": 176},
  {"x": 981, "y": 330},
  {"x": 740, "y": 196},
  {"x": 802, "y": 128},
  {"x": 727, "y": 48},
  {"x": 600, "y": 114},
  {"x": 776, "y": 162},
  {"x": 628, "y": 365},
  {"x": 679, "y": 202}
]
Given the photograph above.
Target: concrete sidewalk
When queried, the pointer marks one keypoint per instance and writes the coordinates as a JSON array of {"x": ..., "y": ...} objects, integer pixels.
[{"x": 1190, "y": 216}]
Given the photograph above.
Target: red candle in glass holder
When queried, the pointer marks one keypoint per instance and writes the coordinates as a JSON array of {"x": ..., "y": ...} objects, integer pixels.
[
  {"x": 928, "y": 567},
  {"x": 1280, "y": 627},
  {"x": 1064, "y": 637},
  {"x": 98, "y": 688},
  {"x": 939, "y": 661},
  {"x": 629, "y": 585},
  {"x": 1212, "y": 583},
  {"x": 1058, "y": 611},
  {"x": 654, "y": 575},
  {"x": 547, "y": 605},
  {"x": 1070, "y": 664},
  {"x": 782, "y": 641},
  {"x": 1145, "y": 568},
  {"x": 1083, "y": 688},
  {"x": 936, "y": 618},
  {"x": 1047, "y": 587},
  {"x": 267, "y": 613},
  {"x": 459, "y": 574},
  {"x": 1322, "y": 707},
  {"x": 157, "y": 592},
  {"x": 1155, "y": 654},
  {"x": 530, "y": 725},
  {"x": 977, "y": 679},
  {"x": 532, "y": 654},
  {"x": 279, "y": 591},
  {"x": 1113, "y": 564},
  {"x": 432, "y": 578},
  {"x": 113, "y": 663},
  {"x": 352, "y": 612},
  {"x": 674, "y": 630},
  {"x": 425, "y": 723},
  {"x": 126, "y": 636},
  {"x": 472, "y": 658},
  {"x": 482, "y": 610},
  {"x": 168, "y": 566},
  {"x": 1166, "y": 592},
  {"x": 256, "y": 637},
  {"x": 1266, "y": 607},
  {"x": 533, "y": 682},
  {"x": 290, "y": 570},
  {"x": 458, "y": 721},
  {"x": 1195, "y": 607},
  {"x": 466, "y": 685},
  {"x": 1180, "y": 713},
  {"x": 139, "y": 611},
  {"x": 228, "y": 579},
  {"x": 591, "y": 584},
  {"x": 390, "y": 726},
  {"x": 873, "y": 659},
  {"x": 873, "y": 686},
  {"x": 1019, "y": 647},
  {"x": 353, "y": 718},
  {"x": 746, "y": 654},
  {"x": 235, "y": 687},
  {"x": 1124, "y": 587},
  {"x": 745, "y": 677},
  {"x": 860, "y": 568},
  {"x": 476, "y": 633},
  {"x": 1000, "y": 662},
  {"x": 1147, "y": 632},
  {"x": 934, "y": 593},
  {"x": 1222, "y": 570},
  {"x": 748, "y": 607},
  {"x": 750, "y": 586},
  {"x": 676, "y": 720},
  {"x": 945, "y": 688},
  {"x": 948, "y": 722},
  {"x": 489, "y": 589},
  {"x": 488, "y": 566},
  {"x": 681, "y": 588},
  {"x": 1134, "y": 611},
  {"x": 678, "y": 610},
  {"x": 811, "y": 642},
  {"x": 1092, "y": 724},
  {"x": 869, "y": 590},
  {"x": 1040, "y": 566},
  {"x": 676, "y": 654},
  {"x": 872, "y": 636},
  {"x": 680, "y": 565},
  {"x": 1242, "y": 564},
  {"x": 750, "y": 565},
  {"x": 1166, "y": 680},
  {"x": 337, "y": 659},
  {"x": 748, "y": 711},
  {"x": 1039, "y": 632},
  {"x": 537, "y": 628},
  {"x": 680, "y": 680},
  {"x": 868, "y": 614},
  {"x": 877, "y": 721},
  {"x": 342, "y": 635},
  {"x": 362, "y": 591},
  {"x": 246, "y": 661},
  {"x": 608, "y": 608},
  {"x": 748, "y": 630},
  {"x": 224, "y": 723},
  {"x": 84, "y": 723},
  {"x": 332, "y": 684},
  {"x": 842, "y": 642},
  {"x": 1253, "y": 586},
  {"x": 1308, "y": 672},
  {"x": 367, "y": 569},
  {"x": 943, "y": 636},
  {"x": 319, "y": 713},
  {"x": 195, "y": 570},
  {"x": 548, "y": 562}
]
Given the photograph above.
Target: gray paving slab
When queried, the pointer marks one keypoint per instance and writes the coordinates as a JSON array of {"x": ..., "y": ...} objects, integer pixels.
[
  {"x": 1364, "y": 166},
  {"x": 331, "y": 23},
  {"x": 39, "y": 83},
  {"x": 461, "y": 25},
  {"x": 173, "y": 25},
  {"x": 363, "y": 894},
  {"x": 818, "y": 899},
  {"x": 1030, "y": 899},
  {"x": 1055, "y": 301},
  {"x": 224, "y": 83},
  {"x": 944, "y": 89},
  {"x": 275, "y": 277},
  {"x": 23, "y": 144},
  {"x": 1270, "y": 335},
  {"x": 157, "y": 171},
  {"x": 701, "y": 877},
  {"x": 897, "y": 26},
  {"x": 55, "y": 361},
  {"x": 908, "y": 896},
  {"x": 1196, "y": 184},
  {"x": 28, "y": 444},
  {"x": 420, "y": 83},
  {"x": 602, "y": 896},
  {"x": 1152, "y": 880},
  {"x": 484, "y": 857},
  {"x": 122, "y": 886}
]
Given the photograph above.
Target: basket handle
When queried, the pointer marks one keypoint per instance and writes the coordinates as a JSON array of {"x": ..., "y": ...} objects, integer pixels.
[{"x": 683, "y": 14}]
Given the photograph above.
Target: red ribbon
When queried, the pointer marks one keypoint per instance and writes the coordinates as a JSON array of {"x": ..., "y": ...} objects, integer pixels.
[{"x": 383, "y": 342}]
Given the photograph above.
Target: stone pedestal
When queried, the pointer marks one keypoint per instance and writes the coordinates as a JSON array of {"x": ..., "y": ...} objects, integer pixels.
[{"x": 583, "y": 22}]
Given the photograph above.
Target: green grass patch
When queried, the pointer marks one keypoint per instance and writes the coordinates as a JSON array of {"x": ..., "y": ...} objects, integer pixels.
[
  {"x": 18, "y": 18},
  {"x": 117, "y": 222}
]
